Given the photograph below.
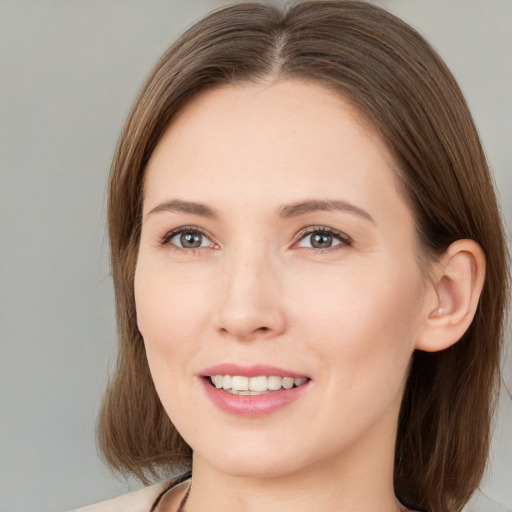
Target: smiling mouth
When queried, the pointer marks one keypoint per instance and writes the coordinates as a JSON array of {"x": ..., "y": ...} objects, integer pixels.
[{"x": 259, "y": 385}]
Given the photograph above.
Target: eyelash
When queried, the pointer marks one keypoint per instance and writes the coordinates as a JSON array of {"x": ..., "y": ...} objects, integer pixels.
[
  {"x": 180, "y": 231},
  {"x": 345, "y": 240}
]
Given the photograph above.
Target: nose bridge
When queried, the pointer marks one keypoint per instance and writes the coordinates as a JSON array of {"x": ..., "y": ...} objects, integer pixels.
[{"x": 249, "y": 304}]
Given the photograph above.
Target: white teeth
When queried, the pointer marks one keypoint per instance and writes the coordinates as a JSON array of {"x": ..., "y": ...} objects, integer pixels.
[
  {"x": 274, "y": 383},
  {"x": 258, "y": 383},
  {"x": 288, "y": 383},
  {"x": 226, "y": 382},
  {"x": 240, "y": 385}
]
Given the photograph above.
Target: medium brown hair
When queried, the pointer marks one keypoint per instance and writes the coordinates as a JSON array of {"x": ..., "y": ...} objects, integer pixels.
[{"x": 403, "y": 89}]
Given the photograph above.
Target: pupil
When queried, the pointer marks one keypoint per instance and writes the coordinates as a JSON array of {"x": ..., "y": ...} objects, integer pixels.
[
  {"x": 320, "y": 241},
  {"x": 190, "y": 240}
]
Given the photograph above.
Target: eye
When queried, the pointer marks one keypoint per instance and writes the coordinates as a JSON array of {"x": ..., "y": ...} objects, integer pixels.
[
  {"x": 187, "y": 238},
  {"x": 322, "y": 238}
]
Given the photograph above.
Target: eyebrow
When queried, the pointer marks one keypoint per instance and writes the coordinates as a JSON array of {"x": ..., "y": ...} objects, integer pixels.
[
  {"x": 286, "y": 211},
  {"x": 313, "y": 205},
  {"x": 180, "y": 206}
]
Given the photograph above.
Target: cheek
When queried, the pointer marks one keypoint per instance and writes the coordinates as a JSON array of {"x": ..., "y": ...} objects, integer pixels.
[
  {"x": 365, "y": 321},
  {"x": 361, "y": 335},
  {"x": 170, "y": 317},
  {"x": 168, "y": 304},
  {"x": 170, "y": 313}
]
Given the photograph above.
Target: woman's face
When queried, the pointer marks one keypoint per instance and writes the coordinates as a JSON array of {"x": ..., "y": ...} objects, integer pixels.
[{"x": 277, "y": 249}]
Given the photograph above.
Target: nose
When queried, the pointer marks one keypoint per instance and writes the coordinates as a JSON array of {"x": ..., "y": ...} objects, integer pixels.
[{"x": 250, "y": 305}]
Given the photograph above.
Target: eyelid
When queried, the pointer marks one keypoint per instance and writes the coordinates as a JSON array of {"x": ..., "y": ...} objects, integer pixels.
[
  {"x": 346, "y": 241},
  {"x": 166, "y": 239},
  {"x": 342, "y": 237}
]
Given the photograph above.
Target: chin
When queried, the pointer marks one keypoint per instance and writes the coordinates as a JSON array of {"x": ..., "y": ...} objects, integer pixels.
[
  {"x": 258, "y": 459},
  {"x": 259, "y": 469}
]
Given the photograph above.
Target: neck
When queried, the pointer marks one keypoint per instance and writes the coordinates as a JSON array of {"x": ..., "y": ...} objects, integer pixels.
[{"x": 358, "y": 483}]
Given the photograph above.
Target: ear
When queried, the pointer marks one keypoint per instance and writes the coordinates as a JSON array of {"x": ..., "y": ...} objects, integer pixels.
[{"x": 453, "y": 297}]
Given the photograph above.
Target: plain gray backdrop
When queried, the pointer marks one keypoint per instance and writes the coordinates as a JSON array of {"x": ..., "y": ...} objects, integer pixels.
[{"x": 69, "y": 70}]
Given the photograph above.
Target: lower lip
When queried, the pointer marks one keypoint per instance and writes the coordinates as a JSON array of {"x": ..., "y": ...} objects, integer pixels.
[{"x": 253, "y": 406}]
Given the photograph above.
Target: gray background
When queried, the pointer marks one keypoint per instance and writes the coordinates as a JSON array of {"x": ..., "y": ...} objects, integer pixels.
[{"x": 69, "y": 70}]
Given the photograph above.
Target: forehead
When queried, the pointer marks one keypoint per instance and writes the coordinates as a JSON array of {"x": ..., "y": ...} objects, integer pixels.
[
  {"x": 284, "y": 139},
  {"x": 264, "y": 111}
]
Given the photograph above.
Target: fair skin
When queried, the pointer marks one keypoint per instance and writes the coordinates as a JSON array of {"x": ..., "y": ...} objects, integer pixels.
[{"x": 306, "y": 260}]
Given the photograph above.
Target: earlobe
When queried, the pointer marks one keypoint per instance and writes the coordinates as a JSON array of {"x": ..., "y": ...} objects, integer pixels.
[{"x": 456, "y": 287}]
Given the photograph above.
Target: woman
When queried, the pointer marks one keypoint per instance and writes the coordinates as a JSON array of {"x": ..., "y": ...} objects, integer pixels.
[{"x": 310, "y": 271}]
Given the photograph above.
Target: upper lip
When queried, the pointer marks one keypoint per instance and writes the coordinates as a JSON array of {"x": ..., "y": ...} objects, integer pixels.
[{"x": 250, "y": 371}]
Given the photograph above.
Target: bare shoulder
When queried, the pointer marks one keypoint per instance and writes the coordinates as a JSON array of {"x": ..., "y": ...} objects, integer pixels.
[{"x": 138, "y": 501}]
